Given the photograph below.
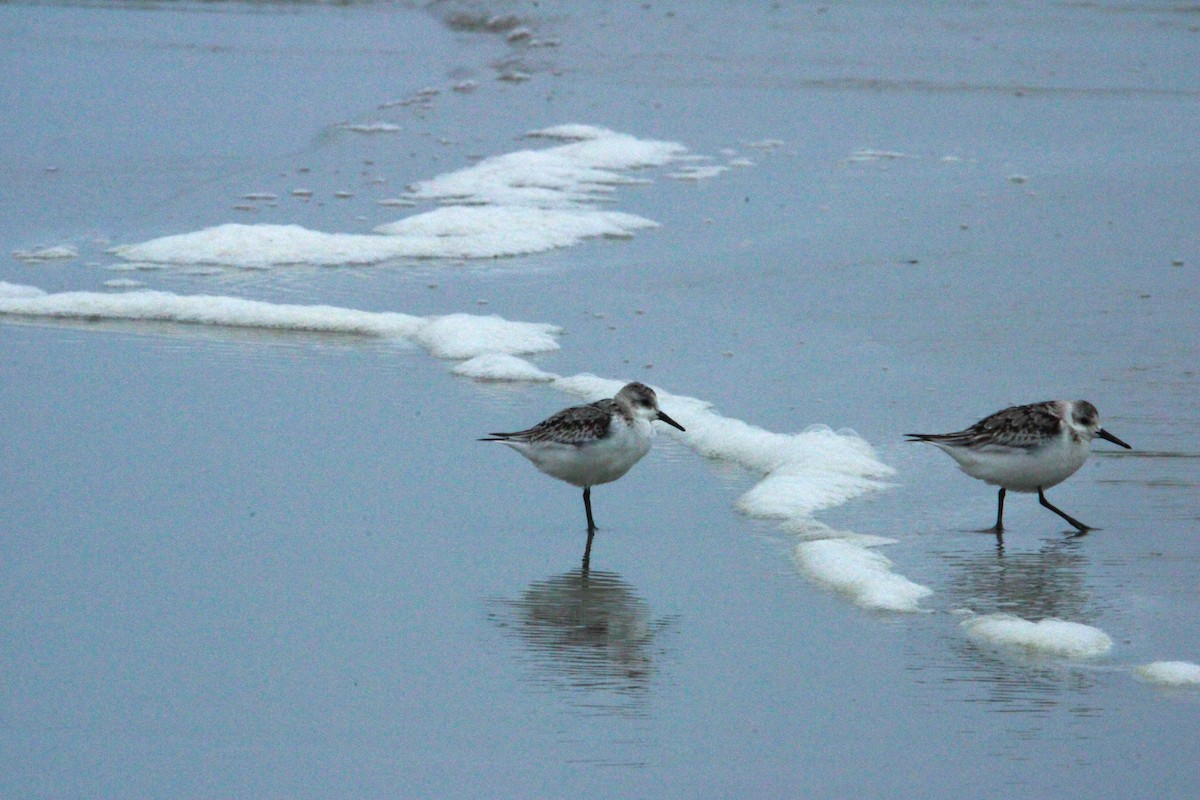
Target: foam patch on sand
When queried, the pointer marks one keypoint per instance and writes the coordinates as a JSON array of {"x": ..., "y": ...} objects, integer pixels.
[
  {"x": 1052, "y": 638},
  {"x": 452, "y": 232},
  {"x": 495, "y": 231},
  {"x": 460, "y": 336},
  {"x": 527, "y": 201},
  {"x": 263, "y": 246},
  {"x": 61, "y": 252},
  {"x": 807, "y": 529},
  {"x": 863, "y": 575},
  {"x": 1170, "y": 673},
  {"x": 584, "y": 170},
  {"x": 501, "y": 367},
  {"x": 454, "y": 336}
]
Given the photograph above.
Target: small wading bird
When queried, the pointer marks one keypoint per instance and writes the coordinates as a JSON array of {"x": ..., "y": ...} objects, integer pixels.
[
  {"x": 1026, "y": 448},
  {"x": 592, "y": 444}
]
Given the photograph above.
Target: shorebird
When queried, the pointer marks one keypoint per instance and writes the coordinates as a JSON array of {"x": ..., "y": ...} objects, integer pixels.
[
  {"x": 592, "y": 444},
  {"x": 1026, "y": 449}
]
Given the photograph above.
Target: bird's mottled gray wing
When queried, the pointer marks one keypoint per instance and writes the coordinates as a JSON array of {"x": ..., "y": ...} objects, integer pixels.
[
  {"x": 1017, "y": 427},
  {"x": 577, "y": 425}
]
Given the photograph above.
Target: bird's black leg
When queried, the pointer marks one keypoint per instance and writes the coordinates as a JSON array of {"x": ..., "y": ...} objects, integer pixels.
[
  {"x": 999, "y": 528},
  {"x": 587, "y": 506},
  {"x": 1000, "y": 511},
  {"x": 587, "y": 551},
  {"x": 1079, "y": 526}
]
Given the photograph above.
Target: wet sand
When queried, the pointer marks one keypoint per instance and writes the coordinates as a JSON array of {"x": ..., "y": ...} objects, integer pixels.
[{"x": 254, "y": 563}]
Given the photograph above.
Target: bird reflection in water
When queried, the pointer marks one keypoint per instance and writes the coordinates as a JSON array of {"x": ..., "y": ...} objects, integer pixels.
[
  {"x": 1049, "y": 583},
  {"x": 591, "y": 636}
]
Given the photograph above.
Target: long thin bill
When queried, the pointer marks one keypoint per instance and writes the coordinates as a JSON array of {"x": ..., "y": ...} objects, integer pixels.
[
  {"x": 1103, "y": 434},
  {"x": 675, "y": 424}
]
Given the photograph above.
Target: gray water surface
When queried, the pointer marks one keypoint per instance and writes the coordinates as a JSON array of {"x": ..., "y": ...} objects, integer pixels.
[{"x": 251, "y": 564}]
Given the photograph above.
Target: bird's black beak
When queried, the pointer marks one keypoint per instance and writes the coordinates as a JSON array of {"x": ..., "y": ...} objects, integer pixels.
[
  {"x": 1103, "y": 434},
  {"x": 675, "y": 424}
]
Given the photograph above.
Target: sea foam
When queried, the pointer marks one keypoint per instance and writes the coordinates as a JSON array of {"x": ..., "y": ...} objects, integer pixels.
[
  {"x": 1170, "y": 673},
  {"x": 527, "y": 201},
  {"x": 1053, "y": 638},
  {"x": 863, "y": 575},
  {"x": 585, "y": 169},
  {"x": 501, "y": 367},
  {"x": 41, "y": 254},
  {"x": 19, "y": 290},
  {"x": 453, "y": 336},
  {"x": 458, "y": 336}
]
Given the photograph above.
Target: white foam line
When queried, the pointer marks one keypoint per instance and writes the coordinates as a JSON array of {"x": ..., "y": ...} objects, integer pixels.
[
  {"x": 580, "y": 172},
  {"x": 451, "y": 232},
  {"x": 452, "y": 336},
  {"x": 519, "y": 203},
  {"x": 372, "y": 127}
]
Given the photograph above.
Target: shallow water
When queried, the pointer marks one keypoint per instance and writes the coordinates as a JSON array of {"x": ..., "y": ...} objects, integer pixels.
[{"x": 269, "y": 562}]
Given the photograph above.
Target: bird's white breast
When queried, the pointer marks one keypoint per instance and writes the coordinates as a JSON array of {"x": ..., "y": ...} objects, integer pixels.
[
  {"x": 600, "y": 461},
  {"x": 1024, "y": 469}
]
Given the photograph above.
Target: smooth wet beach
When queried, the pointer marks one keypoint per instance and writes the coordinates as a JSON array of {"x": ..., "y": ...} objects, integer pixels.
[{"x": 270, "y": 270}]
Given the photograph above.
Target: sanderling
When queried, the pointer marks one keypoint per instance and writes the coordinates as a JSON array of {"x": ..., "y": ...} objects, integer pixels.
[
  {"x": 592, "y": 444},
  {"x": 1026, "y": 448}
]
